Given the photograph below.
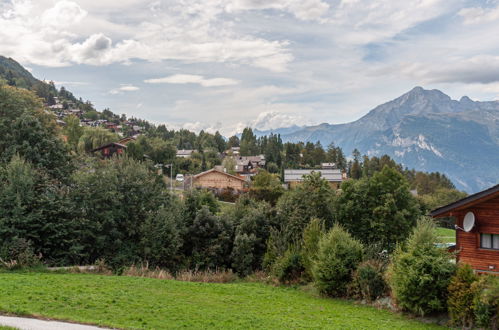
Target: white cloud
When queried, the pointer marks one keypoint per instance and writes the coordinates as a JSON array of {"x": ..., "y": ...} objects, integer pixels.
[
  {"x": 124, "y": 88},
  {"x": 483, "y": 69},
  {"x": 269, "y": 120},
  {"x": 478, "y": 15},
  {"x": 302, "y": 9},
  {"x": 190, "y": 31},
  {"x": 193, "y": 79},
  {"x": 63, "y": 13}
]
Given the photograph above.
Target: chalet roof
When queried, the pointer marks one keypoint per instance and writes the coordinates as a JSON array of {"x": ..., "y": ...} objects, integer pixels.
[
  {"x": 112, "y": 144},
  {"x": 331, "y": 175},
  {"x": 250, "y": 159},
  {"x": 217, "y": 171},
  {"x": 466, "y": 202},
  {"x": 185, "y": 152}
]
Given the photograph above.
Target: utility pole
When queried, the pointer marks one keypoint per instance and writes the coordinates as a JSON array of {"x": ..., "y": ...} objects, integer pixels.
[{"x": 171, "y": 176}]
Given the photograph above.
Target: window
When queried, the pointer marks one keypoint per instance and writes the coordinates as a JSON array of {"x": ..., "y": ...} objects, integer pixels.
[{"x": 489, "y": 241}]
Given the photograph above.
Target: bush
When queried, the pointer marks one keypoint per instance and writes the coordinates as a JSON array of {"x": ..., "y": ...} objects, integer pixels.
[
  {"x": 311, "y": 237},
  {"x": 18, "y": 253},
  {"x": 486, "y": 302},
  {"x": 289, "y": 268},
  {"x": 420, "y": 272},
  {"x": 368, "y": 281},
  {"x": 338, "y": 256},
  {"x": 461, "y": 294},
  {"x": 242, "y": 254}
]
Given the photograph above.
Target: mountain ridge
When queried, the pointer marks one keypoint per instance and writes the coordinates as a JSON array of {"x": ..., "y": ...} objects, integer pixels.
[{"x": 422, "y": 129}]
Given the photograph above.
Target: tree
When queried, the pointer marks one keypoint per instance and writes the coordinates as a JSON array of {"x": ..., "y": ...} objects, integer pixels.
[
  {"x": 379, "y": 210},
  {"x": 28, "y": 131},
  {"x": 337, "y": 257},
  {"x": 420, "y": 271},
  {"x": 115, "y": 200},
  {"x": 95, "y": 137},
  {"x": 248, "y": 144},
  {"x": 266, "y": 187},
  {"x": 73, "y": 131},
  {"x": 220, "y": 142},
  {"x": 36, "y": 210},
  {"x": 233, "y": 142},
  {"x": 296, "y": 208}
]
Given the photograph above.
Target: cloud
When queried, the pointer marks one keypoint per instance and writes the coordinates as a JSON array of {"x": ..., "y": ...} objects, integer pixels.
[
  {"x": 478, "y": 15},
  {"x": 270, "y": 120},
  {"x": 482, "y": 69},
  {"x": 63, "y": 13},
  {"x": 192, "y": 31},
  {"x": 193, "y": 79},
  {"x": 302, "y": 9},
  {"x": 124, "y": 88}
]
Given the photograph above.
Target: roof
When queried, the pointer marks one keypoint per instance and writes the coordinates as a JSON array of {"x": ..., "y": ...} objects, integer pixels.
[
  {"x": 466, "y": 202},
  {"x": 330, "y": 175},
  {"x": 185, "y": 152},
  {"x": 112, "y": 144},
  {"x": 217, "y": 171}
]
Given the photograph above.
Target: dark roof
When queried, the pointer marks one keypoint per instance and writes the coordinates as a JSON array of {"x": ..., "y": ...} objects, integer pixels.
[
  {"x": 465, "y": 201},
  {"x": 112, "y": 144}
]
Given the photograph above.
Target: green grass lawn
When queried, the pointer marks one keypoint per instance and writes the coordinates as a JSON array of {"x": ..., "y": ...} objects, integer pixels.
[
  {"x": 446, "y": 235},
  {"x": 143, "y": 303}
]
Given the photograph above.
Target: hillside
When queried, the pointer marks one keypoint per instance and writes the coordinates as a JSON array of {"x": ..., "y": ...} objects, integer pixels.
[{"x": 425, "y": 130}]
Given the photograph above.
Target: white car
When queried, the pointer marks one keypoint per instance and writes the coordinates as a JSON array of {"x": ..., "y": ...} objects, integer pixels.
[{"x": 179, "y": 178}]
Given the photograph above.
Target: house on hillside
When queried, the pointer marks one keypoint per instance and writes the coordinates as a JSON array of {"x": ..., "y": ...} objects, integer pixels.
[
  {"x": 477, "y": 229},
  {"x": 293, "y": 178},
  {"x": 110, "y": 149},
  {"x": 217, "y": 180},
  {"x": 185, "y": 153},
  {"x": 249, "y": 165}
]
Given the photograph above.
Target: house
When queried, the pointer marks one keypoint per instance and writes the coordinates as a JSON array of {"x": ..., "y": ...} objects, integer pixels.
[
  {"x": 111, "y": 126},
  {"x": 110, "y": 149},
  {"x": 292, "y": 178},
  {"x": 218, "y": 180},
  {"x": 248, "y": 165},
  {"x": 477, "y": 229},
  {"x": 185, "y": 153},
  {"x": 233, "y": 151}
]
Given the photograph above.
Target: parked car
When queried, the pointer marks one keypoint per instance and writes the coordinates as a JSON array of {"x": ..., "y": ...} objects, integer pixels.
[{"x": 179, "y": 178}]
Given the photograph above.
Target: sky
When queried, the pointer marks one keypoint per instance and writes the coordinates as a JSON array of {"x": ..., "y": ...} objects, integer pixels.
[{"x": 226, "y": 64}]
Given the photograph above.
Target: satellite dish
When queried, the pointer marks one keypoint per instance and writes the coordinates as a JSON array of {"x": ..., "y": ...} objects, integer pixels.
[{"x": 469, "y": 222}]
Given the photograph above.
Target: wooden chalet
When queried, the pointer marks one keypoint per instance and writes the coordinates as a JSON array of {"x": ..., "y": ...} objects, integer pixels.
[
  {"x": 111, "y": 149},
  {"x": 218, "y": 180},
  {"x": 477, "y": 229}
]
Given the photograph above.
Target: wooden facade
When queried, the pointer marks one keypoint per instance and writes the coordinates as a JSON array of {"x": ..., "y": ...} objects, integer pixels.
[
  {"x": 470, "y": 246},
  {"x": 111, "y": 149},
  {"x": 218, "y": 180}
]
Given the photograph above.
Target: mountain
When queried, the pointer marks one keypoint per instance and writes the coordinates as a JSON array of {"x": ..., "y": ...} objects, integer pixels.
[{"x": 425, "y": 130}]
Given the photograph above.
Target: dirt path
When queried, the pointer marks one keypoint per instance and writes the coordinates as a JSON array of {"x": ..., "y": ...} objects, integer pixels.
[{"x": 35, "y": 324}]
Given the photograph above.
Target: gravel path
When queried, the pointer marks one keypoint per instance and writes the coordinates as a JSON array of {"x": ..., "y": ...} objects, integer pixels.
[{"x": 35, "y": 324}]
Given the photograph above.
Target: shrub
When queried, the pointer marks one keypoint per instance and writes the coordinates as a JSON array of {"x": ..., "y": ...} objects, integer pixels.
[
  {"x": 311, "y": 237},
  {"x": 369, "y": 281},
  {"x": 289, "y": 268},
  {"x": 18, "y": 253},
  {"x": 242, "y": 254},
  {"x": 486, "y": 302},
  {"x": 420, "y": 272},
  {"x": 207, "y": 276},
  {"x": 461, "y": 294},
  {"x": 338, "y": 255}
]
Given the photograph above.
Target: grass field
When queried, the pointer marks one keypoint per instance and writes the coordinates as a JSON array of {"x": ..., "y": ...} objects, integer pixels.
[
  {"x": 446, "y": 235},
  {"x": 143, "y": 303}
]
